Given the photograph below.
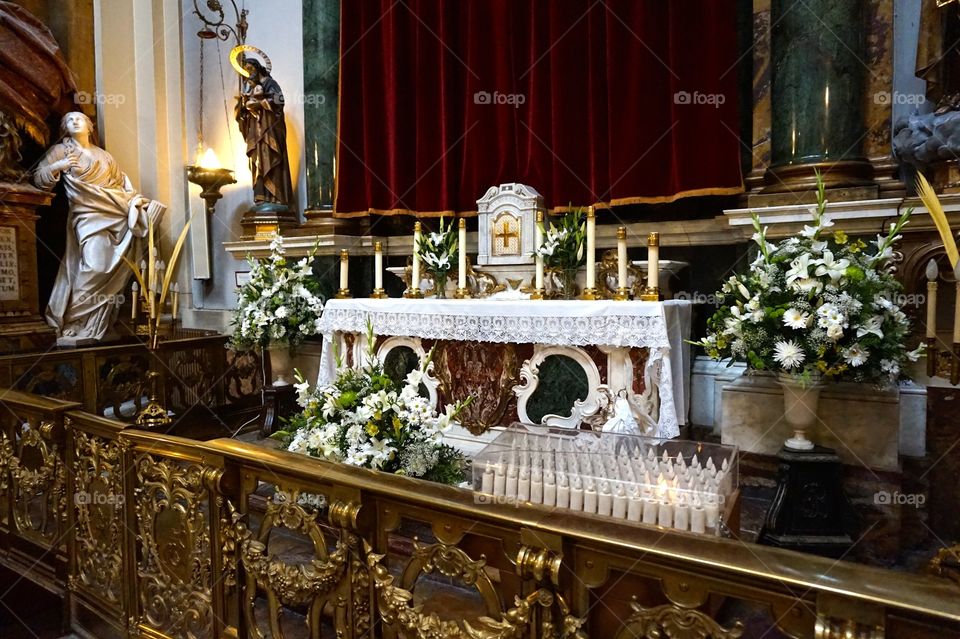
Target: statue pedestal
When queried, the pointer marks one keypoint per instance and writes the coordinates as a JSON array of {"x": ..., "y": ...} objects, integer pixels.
[
  {"x": 21, "y": 325},
  {"x": 263, "y": 221}
]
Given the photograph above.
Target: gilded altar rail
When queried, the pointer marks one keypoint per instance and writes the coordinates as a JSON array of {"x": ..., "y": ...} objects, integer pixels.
[{"x": 158, "y": 536}]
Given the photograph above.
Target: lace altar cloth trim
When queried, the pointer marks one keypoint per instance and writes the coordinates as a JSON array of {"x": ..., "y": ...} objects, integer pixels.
[{"x": 580, "y": 323}]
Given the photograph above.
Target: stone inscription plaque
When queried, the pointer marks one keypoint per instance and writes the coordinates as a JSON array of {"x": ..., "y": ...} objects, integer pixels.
[{"x": 9, "y": 265}]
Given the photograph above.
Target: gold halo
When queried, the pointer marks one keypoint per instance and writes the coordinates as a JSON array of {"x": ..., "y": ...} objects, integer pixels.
[{"x": 244, "y": 48}]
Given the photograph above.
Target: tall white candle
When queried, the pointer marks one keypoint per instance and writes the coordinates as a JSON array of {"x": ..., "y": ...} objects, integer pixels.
[
  {"x": 933, "y": 272},
  {"x": 563, "y": 491},
  {"x": 634, "y": 507},
  {"x": 486, "y": 482},
  {"x": 511, "y": 488},
  {"x": 712, "y": 509},
  {"x": 620, "y": 502},
  {"x": 697, "y": 518},
  {"x": 499, "y": 479},
  {"x": 650, "y": 511},
  {"x": 665, "y": 514},
  {"x": 523, "y": 486},
  {"x": 135, "y": 300},
  {"x": 653, "y": 260},
  {"x": 590, "y": 499},
  {"x": 462, "y": 254},
  {"x": 576, "y": 494},
  {"x": 549, "y": 488},
  {"x": 604, "y": 501},
  {"x": 681, "y": 515},
  {"x": 378, "y": 265},
  {"x": 537, "y": 242},
  {"x": 536, "y": 486},
  {"x": 591, "y": 248},
  {"x": 622, "y": 257},
  {"x": 344, "y": 269},
  {"x": 415, "y": 269}
]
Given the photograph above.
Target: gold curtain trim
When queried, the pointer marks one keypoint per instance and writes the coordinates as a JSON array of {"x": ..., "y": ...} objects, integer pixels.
[{"x": 659, "y": 199}]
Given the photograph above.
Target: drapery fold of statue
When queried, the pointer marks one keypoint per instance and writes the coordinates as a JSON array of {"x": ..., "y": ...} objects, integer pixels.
[
  {"x": 260, "y": 116},
  {"x": 106, "y": 217}
]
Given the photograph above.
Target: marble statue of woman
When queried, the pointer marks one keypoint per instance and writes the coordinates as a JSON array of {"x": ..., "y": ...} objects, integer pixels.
[{"x": 106, "y": 216}]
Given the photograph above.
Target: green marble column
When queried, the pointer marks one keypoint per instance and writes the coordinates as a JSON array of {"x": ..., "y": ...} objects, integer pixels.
[
  {"x": 817, "y": 84},
  {"x": 321, "y": 68}
]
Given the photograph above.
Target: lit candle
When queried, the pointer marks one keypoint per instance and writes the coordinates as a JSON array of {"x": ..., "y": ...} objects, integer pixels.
[
  {"x": 415, "y": 269},
  {"x": 135, "y": 302},
  {"x": 462, "y": 254},
  {"x": 175, "y": 306},
  {"x": 378, "y": 266},
  {"x": 653, "y": 260},
  {"x": 344, "y": 270},
  {"x": 591, "y": 248},
  {"x": 933, "y": 272},
  {"x": 622, "y": 257},
  {"x": 538, "y": 242}
]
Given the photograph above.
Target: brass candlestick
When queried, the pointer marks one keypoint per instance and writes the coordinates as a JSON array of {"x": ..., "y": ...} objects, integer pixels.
[
  {"x": 650, "y": 294},
  {"x": 154, "y": 283},
  {"x": 590, "y": 294},
  {"x": 462, "y": 294},
  {"x": 378, "y": 294},
  {"x": 622, "y": 294},
  {"x": 538, "y": 294},
  {"x": 343, "y": 294}
]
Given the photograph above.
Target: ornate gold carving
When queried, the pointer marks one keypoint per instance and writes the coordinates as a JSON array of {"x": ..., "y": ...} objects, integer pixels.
[
  {"x": 486, "y": 371},
  {"x": 454, "y": 563},
  {"x": 539, "y": 564},
  {"x": 608, "y": 274},
  {"x": 313, "y": 584},
  {"x": 98, "y": 504},
  {"x": 673, "y": 622},
  {"x": 531, "y": 611},
  {"x": 946, "y": 563},
  {"x": 37, "y": 481},
  {"x": 829, "y": 628},
  {"x": 174, "y": 568}
]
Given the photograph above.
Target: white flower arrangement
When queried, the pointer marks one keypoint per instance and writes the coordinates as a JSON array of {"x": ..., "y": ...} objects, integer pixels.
[
  {"x": 367, "y": 419},
  {"x": 279, "y": 303},
  {"x": 819, "y": 304}
]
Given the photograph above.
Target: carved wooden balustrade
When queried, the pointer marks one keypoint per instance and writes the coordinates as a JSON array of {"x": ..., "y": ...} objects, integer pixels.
[{"x": 159, "y": 536}]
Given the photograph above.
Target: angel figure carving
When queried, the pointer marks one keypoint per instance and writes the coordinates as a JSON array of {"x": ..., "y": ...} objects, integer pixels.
[{"x": 106, "y": 218}]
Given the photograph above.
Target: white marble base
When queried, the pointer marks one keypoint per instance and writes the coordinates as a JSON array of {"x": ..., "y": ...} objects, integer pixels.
[
  {"x": 706, "y": 381},
  {"x": 861, "y": 423}
]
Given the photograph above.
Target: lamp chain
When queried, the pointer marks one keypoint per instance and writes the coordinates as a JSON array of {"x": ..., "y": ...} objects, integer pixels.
[{"x": 200, "y": 141}]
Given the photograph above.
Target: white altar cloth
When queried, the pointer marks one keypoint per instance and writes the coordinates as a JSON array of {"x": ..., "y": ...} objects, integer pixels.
[{"x": 661, "y": 327}]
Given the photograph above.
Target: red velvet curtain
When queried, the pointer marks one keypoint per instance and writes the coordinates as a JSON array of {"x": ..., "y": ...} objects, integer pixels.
[{"x": 589, "y": 102}]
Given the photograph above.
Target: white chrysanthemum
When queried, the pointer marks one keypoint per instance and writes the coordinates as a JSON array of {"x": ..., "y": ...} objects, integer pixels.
[
  {"x": 856, "y": 355},
  {"x": 788, "y": 354},
  {"x": 795, "y": 319},
  {"x": 835, "y": 331}
]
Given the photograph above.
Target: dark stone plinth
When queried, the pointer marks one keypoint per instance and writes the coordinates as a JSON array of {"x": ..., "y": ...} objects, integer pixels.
[{"x": 810, "y": 510}]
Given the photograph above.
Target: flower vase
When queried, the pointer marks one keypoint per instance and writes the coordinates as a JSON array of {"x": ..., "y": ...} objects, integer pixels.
[
  {"x": 801, "y": 397},
  {"x": 440, "y": 285},
  {"x": 568, "y": 283},
  {"x": 281, "y": 365}
]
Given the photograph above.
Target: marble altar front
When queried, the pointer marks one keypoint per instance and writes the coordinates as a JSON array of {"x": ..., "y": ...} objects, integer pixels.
[{"x": 556, "y": 363}]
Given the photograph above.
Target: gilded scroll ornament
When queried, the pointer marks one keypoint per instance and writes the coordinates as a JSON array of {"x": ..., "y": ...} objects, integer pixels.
[
  {"x": 37, "y": 477},
  {"x": 829, "y": 628},
  {"x": 946, "y": 563},
  {"x": 98, "y": 534},
  {"x": 174, "y": 569},
  {"x": 673, "y": 622}
]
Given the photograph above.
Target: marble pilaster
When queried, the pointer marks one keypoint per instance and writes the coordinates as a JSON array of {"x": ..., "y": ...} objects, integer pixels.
[
  {"x": 817, "y": 94},
  {"x": 321, "y": 53}
]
